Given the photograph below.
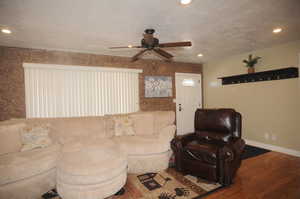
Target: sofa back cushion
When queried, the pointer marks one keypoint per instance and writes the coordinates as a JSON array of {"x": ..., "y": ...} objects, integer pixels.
[
  {"x": 74, "y": 129},
  {"x": 109, "y": 127},
  {"x": 151, "y": 122},
  {"x": 10, "y": 137},
  {"x": 143, "y": 123},
  {"x": 163, "y": 119}
]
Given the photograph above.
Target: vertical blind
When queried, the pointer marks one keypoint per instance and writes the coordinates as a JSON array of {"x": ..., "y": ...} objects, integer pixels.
[{"x": 69, "y": 91}]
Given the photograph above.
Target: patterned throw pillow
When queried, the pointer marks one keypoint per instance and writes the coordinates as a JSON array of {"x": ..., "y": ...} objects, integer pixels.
[
  {"x": 35, "y": 137},
  {"x": 123, "y": 125},
  {"x": 10, "y": 133}
]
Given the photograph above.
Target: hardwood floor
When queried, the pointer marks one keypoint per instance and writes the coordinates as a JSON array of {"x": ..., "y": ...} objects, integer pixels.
[{"x": 269, "y": 176}]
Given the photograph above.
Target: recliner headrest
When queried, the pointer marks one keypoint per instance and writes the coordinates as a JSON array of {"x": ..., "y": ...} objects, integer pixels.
[{"x": 219, "y": 120}]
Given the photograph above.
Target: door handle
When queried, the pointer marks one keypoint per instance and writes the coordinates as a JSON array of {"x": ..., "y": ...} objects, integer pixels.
[{"x": 179, "y": 107}]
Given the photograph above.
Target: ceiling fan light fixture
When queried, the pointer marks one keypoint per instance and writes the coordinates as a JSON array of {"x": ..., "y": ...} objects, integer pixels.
[
  {"x": 5, "y": 30},
  {"x": 185, "y": 2},
  {"x": 277, "y": 30}
]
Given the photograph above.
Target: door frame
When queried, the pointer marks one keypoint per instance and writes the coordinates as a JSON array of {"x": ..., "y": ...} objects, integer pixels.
[{"x": 201, "y": 91}]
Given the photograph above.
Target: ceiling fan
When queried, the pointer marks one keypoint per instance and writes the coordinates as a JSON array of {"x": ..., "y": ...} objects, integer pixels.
[{"x": 150, "y": 43}]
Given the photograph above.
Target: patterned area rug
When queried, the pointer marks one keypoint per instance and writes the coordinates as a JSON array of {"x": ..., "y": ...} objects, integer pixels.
[{"x": 167, "y": 184}]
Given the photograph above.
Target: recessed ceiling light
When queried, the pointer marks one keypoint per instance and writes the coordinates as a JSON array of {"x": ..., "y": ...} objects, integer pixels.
[
  {"x": 200, "y": 55},
  {"x": 6, "y": 31},
  {"x": 129, "y": 46},
  {"x": 277, "y": 30},
  {"x": 185, "y": 2}
]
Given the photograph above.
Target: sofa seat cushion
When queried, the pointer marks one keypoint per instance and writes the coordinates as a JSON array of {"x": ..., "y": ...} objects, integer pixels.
[
  {"x": 91, "y": 162},
  {"x": 20, "y": 165},
  {"x": 142, "y": 145}
]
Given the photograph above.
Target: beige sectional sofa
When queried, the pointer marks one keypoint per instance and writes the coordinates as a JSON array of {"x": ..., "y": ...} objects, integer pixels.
[{"x": 27, "y": 174}]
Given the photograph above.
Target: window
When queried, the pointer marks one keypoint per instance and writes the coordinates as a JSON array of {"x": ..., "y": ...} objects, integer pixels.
[
  {"x": 188, "y": 82},
  {"x": 69, "y": 91}
]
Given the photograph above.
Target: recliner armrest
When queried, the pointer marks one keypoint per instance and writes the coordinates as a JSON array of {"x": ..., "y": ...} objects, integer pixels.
[
  {"x": 180, "y": 141},
  {"x": 237, "y": 144},
  {"x": 233, "y": 148},
  {"x": 230, "y": 159},
  {"x": 177, "y": 145}
]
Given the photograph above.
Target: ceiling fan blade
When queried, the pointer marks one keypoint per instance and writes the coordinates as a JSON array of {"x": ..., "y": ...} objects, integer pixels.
[
  {"x": 163, "y": 53},
  {"x": 136, "y": 57},
  {"x": 118, "y": 47},
  {"x": 175, "y": 44}
]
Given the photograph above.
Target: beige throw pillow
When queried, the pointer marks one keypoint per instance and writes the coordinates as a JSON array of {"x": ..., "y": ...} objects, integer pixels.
[
  {"x": 35, "y": 137},
  {"x": 123, "y": 125}
]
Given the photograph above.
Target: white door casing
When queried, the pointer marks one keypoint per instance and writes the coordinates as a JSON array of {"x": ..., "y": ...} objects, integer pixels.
[{"x": 188, "y": 99}]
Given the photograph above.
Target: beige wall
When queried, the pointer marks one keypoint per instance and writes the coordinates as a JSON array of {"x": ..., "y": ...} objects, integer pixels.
[{"x": 271, "y": 107}]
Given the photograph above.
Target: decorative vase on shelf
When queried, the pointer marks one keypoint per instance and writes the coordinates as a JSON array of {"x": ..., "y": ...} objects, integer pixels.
[
  {"x": 251, "y": 70},
  {"x": 250, "y": 63}
]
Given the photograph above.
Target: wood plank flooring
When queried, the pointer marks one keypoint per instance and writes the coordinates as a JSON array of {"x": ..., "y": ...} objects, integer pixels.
[{"x": 269, "y": 176}]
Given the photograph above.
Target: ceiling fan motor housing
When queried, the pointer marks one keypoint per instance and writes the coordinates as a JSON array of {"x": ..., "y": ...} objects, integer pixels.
[
  {"x": 150, "y": 43},
  {"x": 149, "y": 31}
]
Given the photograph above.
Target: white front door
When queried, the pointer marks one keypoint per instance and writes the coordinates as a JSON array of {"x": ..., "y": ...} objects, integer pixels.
[{"x": 188, "y": 99}]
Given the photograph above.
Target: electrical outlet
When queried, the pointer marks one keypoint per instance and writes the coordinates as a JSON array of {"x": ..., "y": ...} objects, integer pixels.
[
  {"x": 274, "y": 137},
  {"x": 267, "y": 136}
]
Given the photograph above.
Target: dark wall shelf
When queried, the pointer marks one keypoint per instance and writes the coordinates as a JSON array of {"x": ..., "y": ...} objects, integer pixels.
[{"x": 284, "y": 73}]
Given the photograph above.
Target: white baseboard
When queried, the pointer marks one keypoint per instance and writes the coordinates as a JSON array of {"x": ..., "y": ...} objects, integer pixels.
[{"x": 273, "y": 148}]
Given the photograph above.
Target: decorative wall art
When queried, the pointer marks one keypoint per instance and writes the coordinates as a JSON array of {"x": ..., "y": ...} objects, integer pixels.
[{"x": 158, "y": 86}]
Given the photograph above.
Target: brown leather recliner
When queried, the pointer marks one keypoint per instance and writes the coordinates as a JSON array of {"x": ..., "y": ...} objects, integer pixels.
[{"x": 214, "y": 150}]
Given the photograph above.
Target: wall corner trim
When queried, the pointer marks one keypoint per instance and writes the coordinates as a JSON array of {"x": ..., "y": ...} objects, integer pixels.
[{"x": 274, "y": 148}]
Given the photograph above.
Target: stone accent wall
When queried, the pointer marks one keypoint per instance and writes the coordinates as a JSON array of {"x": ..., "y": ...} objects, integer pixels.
[{"x": 12, "y": 91}]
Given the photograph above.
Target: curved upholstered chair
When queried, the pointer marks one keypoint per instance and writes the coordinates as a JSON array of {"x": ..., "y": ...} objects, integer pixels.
[{"x": 213, "y": 151}]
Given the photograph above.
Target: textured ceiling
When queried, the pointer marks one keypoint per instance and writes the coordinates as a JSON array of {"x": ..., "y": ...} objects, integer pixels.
[{"x": 217, "y": 28}]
